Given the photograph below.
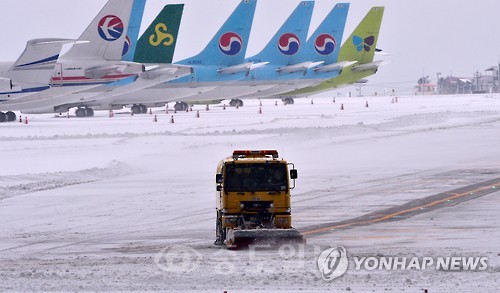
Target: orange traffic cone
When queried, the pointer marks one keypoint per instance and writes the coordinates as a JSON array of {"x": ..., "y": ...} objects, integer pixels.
[
  {"x": 172, "y": 120},
  {"x": 260, "y": 110},
  {"x": 26, "y": 120},
  {"x": 20, "y": 119},
  {"x": 341, "y": 106},
  {"x": 150, "y": 111},
  {"x": 366, "y": 104},
  {"x": 276, "y": 103},
  {"x": 224, "y": 107},
  {"x": 155, "y": 119},
  {"x": 187, "y": 110},
  {"x": 197, "y": 114},
  {"x": 312, "y": 102},
  {"x": 334, "y": 100}
]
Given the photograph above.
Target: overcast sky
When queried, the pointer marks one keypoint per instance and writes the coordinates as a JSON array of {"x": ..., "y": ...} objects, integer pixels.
[{"x": 424, "y": 37}]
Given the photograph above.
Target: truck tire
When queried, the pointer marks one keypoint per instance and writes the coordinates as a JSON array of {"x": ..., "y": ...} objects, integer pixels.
[{"x": 220, "y": 232}]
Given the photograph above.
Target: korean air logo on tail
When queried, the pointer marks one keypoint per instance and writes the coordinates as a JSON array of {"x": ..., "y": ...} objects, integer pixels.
[
  {"x": 230, "y": 43},
  {"x": 325, "y": 44},
  {"x": 126, "y": 46},
  {"x": 110, "y": 28},
  {"x": 289, "y": 44},
  {"x": 365, "y": 43}
]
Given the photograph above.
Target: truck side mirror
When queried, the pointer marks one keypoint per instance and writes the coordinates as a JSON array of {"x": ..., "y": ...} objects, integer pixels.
[
  {"x": 294, "y": 174},
  {"x": 218, "y": 178},
  {"x": 219, "y": 187}
]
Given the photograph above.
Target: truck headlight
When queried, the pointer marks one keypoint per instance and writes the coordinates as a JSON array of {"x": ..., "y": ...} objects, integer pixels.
[
  {"x": 271, "y": 206},
  {"x": 230, "y": 219}
]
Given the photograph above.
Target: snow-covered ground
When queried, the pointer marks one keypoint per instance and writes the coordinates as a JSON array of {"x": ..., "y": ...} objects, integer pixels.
[{"x": 124, "y": 203}]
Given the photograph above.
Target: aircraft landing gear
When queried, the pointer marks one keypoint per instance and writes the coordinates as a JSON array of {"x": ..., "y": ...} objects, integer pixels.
[
  {"x": 288, "y": 101},
  {"x": 139, "y": 109},
  {"x": 84, "y": 112},
  {"x": 7, "y": 117},
  {"x": 181, "y": 106},
  {"x": 236, "y": 102}
]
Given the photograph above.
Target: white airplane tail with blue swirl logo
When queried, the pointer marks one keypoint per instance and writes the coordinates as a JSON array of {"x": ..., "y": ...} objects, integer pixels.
[{"x": 106, "y": 34}]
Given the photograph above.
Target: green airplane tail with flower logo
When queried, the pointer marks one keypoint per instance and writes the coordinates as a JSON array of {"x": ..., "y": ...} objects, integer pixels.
[
  {"x": 360, "y": 48},
  {"x": 157, "y": 44}
]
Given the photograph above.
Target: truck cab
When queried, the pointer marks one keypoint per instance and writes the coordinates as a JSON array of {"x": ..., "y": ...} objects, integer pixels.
[{"x": 253, "y": 192}]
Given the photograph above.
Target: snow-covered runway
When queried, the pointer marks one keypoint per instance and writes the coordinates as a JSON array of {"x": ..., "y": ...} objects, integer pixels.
[{"x": 124, "y": 203}]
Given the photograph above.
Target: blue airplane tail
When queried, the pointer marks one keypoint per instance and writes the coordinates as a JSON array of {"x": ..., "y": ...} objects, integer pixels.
[
  {"x": 133, "y": 30},
  {"x": 324, "y": 43},
  {"x": 228, "y": 47},
  {"x": 287, "y": 43}
]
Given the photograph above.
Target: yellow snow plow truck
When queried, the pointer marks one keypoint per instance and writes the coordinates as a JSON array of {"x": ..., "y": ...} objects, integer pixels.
[{"x": 253, "y": 200}]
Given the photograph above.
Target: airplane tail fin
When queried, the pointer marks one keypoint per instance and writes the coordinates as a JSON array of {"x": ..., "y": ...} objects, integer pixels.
[
  {"x": 157, "y": 44},
  {"x": 361, "y": 44},
  {"x": 106, "y": 34},
  {"x": 287, "y": 42},
  {"x": 228, "y": 47},
  {"x": 133, "y": 30},
  {"x": 324, "y": 43},
  {"x": 36, "y": 64}
]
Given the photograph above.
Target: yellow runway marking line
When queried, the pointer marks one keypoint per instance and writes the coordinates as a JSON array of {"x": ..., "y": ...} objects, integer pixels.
[{"x": 390, "y": 216}]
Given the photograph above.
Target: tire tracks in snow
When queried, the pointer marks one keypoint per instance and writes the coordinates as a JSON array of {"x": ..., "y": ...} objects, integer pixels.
[
  {"x": 55, "y": 180},
  {"x": 412, "y": 208}
]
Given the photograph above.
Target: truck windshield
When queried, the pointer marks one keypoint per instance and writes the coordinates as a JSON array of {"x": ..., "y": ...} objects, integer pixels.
[{"x": 255, "y": 177}]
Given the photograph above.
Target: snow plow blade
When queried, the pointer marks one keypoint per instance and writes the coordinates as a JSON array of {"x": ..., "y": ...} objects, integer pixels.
[{"x": 243, "y": 238}]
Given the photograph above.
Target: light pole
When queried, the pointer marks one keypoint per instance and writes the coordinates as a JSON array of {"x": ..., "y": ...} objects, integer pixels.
[
  {"x": 438, "y": 74},
  {"x": 477, "y": 76}
]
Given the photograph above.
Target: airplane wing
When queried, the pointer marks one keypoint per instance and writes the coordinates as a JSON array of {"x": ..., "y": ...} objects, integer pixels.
[
  {"x": 160, "y": 74},
  {"x": 245, "y": 67},
  {"x": 303, "y": 66},
  {"x": 369, "y": 66},
  {"x": 334, "y": 66}
]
